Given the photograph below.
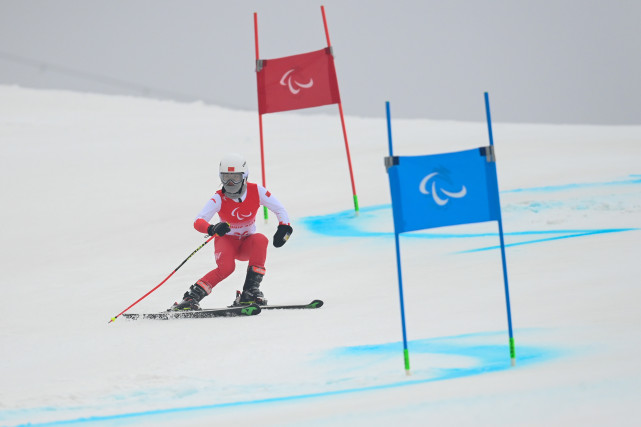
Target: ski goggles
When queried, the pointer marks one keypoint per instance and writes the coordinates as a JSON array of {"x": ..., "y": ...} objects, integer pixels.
[{"x": 234, "y": 177}]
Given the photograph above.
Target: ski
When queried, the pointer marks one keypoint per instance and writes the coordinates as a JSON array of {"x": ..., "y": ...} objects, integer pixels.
[
  {"x": 314, "y": 304},
  {"x": 250, "y": 310}
]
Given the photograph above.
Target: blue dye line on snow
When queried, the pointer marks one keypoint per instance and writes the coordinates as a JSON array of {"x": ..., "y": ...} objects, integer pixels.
[
  {"x": 487, "y": 357},
  {"x": 348, "y": 224},
  {"x": 633, "y": 179},
  {"x": 569, "y": 234}
]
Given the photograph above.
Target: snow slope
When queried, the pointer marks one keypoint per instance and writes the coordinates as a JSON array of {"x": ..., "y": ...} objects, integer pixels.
[{"x": 98, "y": 198}]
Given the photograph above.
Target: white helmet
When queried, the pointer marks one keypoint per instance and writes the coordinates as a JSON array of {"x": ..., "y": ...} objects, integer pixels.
[{"x": 233, "y": 172}]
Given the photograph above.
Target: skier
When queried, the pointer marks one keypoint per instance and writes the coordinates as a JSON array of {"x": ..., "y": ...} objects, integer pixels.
[{"x": 236, "y": 204}]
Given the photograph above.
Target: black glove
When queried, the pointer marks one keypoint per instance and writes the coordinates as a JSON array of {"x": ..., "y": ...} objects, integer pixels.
[
  {"x": 219, "y": 229},
  {"x": 282, "y": 234}
]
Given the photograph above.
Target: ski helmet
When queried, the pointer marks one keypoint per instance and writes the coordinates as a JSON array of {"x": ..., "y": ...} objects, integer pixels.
[{"x": 233, "y": 174}]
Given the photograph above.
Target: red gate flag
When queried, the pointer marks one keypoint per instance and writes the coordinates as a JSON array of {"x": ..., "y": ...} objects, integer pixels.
[{"x": 298, "y": 81}]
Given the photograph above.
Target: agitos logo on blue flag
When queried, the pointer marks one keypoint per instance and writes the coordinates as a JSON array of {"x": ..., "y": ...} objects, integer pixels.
[{"x": 443, "y": 189}]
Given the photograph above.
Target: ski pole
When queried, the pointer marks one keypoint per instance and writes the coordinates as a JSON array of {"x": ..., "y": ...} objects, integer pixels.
[{"x": 166, "y": 278}]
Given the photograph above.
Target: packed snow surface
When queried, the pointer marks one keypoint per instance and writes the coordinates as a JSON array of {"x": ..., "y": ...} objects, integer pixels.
[{"x": 99, "y": 194}]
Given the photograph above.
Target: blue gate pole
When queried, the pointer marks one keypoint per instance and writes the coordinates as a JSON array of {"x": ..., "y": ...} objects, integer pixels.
[
  {"x": 500, "y": 221},
  {"x": 406, "y": 354}
]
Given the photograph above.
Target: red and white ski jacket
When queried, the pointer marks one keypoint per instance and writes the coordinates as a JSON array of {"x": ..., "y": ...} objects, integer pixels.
[{"x": 240, "y": 213}]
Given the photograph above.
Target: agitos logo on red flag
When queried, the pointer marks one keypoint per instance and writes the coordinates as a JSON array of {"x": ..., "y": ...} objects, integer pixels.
[{"x": 298, "y": 81}]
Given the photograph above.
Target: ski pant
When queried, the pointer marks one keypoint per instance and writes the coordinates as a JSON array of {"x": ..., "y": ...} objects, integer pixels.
[{"x": 228, "y": 249}]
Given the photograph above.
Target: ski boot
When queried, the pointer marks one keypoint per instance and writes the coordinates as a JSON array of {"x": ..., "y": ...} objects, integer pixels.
[
  {"x": 191, "y": 299},
  {"x": 251, "y": 292}
]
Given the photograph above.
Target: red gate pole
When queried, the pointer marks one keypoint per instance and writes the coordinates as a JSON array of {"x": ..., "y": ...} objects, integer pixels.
[
  {"x": 260, "y": 116},
  {"x": 340, "y": 110}
]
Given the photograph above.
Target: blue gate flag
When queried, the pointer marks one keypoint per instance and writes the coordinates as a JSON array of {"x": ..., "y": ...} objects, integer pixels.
[{"x": 443, "y": 189}]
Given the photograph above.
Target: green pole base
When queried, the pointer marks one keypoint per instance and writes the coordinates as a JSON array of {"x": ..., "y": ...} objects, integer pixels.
[
  {"x": 512, "y": 352},
  {"x": 406, "y": 356}
]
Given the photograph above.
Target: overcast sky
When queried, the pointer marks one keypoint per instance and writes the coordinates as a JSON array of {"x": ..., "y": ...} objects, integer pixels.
[{"x": 542, "y": 61}]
